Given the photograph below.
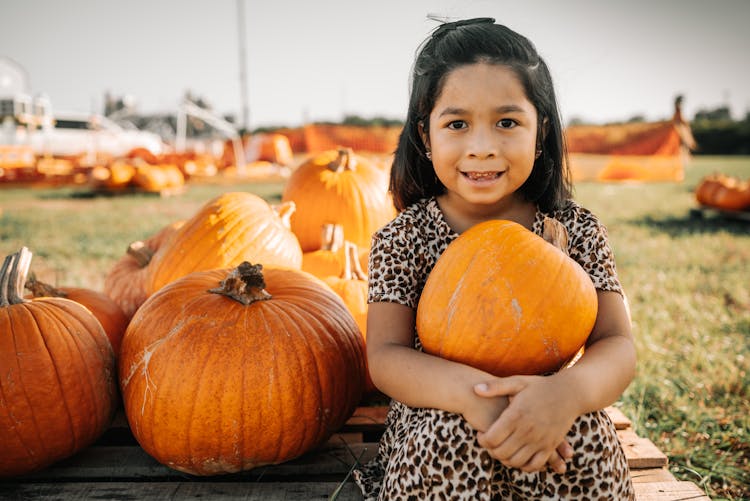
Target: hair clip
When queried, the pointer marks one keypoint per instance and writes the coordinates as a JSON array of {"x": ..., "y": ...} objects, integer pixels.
[{"x": 445, "y": 27}]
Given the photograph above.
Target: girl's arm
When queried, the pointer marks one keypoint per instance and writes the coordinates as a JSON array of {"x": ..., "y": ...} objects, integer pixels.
[
  {"x": 543, "y": 409},
  {"x": 418, "y": 379}
]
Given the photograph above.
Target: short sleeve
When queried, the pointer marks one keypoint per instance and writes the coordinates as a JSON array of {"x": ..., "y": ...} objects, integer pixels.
[
  {"x": 589, "y": 246},
  {"x": 393, "y": 269}
]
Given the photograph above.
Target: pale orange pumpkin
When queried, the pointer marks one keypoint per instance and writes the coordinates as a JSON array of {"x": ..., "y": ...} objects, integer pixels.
[
  {"x": 227, "y": 370},
  {"x": 502, "y": 299},
  {"x": 231, "y": 228},
  {"x": 125, "y": 281},
  {"x": 57, "y": 383},
  {"x": 339, "y": 187},
  {"x": 110, "y": 315}
]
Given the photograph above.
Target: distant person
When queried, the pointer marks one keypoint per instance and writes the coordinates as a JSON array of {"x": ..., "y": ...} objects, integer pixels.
[
  {"x": 483, "y": 140},
  {"x": 687, "y": 141}
]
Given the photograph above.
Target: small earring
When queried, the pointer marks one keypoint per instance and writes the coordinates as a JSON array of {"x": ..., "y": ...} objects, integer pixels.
[
  {"x": 428, "y": 154},
  {"x": 538, "y": 153}
]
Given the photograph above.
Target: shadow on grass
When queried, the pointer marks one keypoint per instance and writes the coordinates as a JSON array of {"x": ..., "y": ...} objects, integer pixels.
[{"x": 697, "y": 221}]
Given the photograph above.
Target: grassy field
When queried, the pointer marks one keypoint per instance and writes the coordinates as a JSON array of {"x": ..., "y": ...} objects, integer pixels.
[{"x": 687, "y": 278}]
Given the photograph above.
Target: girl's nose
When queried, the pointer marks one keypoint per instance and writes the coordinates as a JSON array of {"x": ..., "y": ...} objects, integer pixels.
[{"x": 482, "y": 145}]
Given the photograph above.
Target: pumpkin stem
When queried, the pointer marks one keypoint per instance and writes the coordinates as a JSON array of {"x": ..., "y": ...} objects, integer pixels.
[
  {"x": 331, "y": 237},
  {"x": 344, "y": 161},
  {"x": 555, "y": 233},
  {"x": 352, "y": 269},
  {"x": 13, "y": 276},
  {"x": 244, "y": 284},
  {"x": 41, "y": 289},
  {"x": 142, "y": 254},
  {"x": 284, "y": 211}
]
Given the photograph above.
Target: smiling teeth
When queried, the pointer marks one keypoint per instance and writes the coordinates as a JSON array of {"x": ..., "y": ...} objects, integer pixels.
[{"x": 481, "y": 175}]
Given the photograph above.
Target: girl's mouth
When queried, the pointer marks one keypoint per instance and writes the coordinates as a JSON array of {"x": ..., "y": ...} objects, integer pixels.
[{"x": 482, "y": 176}]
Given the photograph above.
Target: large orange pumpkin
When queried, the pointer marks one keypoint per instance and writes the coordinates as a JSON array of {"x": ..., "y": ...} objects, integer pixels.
[
  {"x": 504, "y": 300},
  {"x": 57, "y": 379},
  {"x": 110, "y": 315},
  {"x": 231, "y": 228},
  {"x": 227, "y": 370},
  {"x": 338, "y": 187},
  {"x": 125, "y": 281}
]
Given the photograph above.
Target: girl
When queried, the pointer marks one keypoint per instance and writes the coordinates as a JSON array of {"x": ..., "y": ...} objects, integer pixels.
[{"x": 483, "y": 140}]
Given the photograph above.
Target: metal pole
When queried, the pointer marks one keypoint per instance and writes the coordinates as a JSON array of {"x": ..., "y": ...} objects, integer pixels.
[{"x": 243, "y": 64}]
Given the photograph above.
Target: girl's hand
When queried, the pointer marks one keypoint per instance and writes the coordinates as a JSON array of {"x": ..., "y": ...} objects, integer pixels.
[{"x": 531, "y": 432}]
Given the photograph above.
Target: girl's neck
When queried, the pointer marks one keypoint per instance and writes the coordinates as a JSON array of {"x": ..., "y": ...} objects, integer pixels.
[{"x": 461, "y": 216}]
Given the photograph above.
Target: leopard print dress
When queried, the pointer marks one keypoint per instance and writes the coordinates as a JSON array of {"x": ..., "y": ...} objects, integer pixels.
[{"x": 433, "y": 454}]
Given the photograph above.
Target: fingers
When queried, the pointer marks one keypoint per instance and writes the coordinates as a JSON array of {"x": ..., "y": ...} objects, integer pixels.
[
  {"x": 500, "y": 387},
  {"x": 555, "y": 462},
  {"x": 565, "y": 450}
]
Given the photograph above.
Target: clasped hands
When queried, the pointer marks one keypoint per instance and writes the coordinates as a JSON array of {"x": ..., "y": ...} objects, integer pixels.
[{"x": 522, "y": 421}]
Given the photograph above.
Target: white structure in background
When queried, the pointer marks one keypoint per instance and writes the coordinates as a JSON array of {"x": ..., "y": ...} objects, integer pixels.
[
  {"x": 28, "y": 122},
  {"x": 188, "y": 108}
]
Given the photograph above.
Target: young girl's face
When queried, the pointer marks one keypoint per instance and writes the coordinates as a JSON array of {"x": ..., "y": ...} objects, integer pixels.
[{"x": 482, "y": 133}]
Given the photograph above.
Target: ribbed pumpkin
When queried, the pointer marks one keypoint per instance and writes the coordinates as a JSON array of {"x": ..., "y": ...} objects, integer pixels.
[
  {"x": 125, "y": 281},
  {"x": 57, "y": 379},
  {"x": 502, "y": 299},
  {"x": 338, "y": 187},
  {"x": 227, "y": 370},
  {"x": 231, "y": 228},
  {"x": 110, "y": 315}
]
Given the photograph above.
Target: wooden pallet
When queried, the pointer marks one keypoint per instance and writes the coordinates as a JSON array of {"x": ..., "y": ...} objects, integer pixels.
[{"x": 117, "y": 468}]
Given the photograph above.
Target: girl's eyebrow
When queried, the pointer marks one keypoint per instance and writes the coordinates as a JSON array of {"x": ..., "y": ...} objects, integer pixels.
[{"x": 508, "y": 108}]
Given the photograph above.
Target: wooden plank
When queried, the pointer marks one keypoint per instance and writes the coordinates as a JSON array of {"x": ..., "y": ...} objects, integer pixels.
[
  {"x": 332, "y": 460},
  {"x": 214, "y": 491},
  {"x": 669, "y": 491},
  {"x": 619, "y": 419},
  {"x": 641, "y": 452},
  {"x": 646, "y": 475}
]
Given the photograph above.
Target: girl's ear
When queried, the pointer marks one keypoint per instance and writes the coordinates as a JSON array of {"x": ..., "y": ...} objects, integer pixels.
[
  {"x": 424, "y": 134},
  {"x": 542, "y": 135}
]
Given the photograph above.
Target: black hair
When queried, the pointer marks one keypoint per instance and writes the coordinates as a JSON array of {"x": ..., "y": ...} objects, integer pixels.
[{"x": 470, "y": 41}]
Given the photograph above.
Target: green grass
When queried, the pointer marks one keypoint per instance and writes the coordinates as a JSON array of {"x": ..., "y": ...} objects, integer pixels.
[{"x": 687, "y": 279}]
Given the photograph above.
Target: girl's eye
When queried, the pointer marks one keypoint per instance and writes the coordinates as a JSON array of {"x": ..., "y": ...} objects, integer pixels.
[
  {"x": 457, "y": 124},
  {"x": 506, "y": 123}
]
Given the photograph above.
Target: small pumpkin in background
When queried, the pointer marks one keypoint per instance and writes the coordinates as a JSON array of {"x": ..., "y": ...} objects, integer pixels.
[
  {"x": 57, "y": 383},
  {"x": 125, "y": 281},
  {"x": 340, "y": 187},
  {"x": 329, "y": 259},
  {"x": 110, "y": 315},
  {"x": 504, "y": 300},
  {"x": 226, "y": 370},
  {"x": 118, "y": 174},
  {"x": 231, "y": 228},
  {"x": 723, "y": 192},
  {"x": 351, "y": 287}
]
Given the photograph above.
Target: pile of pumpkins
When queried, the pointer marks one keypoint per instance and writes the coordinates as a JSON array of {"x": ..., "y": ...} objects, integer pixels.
[
  {"x": 236, "y": 338},
  {"x": 724, "y": 192},
  {"x": 233, "y": 339}
]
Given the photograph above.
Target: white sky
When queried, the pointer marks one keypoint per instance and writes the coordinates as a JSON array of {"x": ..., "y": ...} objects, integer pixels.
[{"x": 320, "y": 60}]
